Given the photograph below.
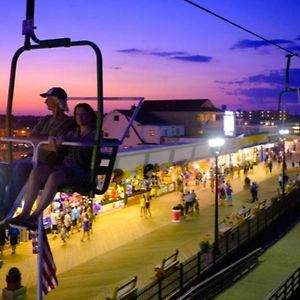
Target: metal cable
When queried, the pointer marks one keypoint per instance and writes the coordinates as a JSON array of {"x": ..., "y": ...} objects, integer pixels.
[{"x": 240, "y": 27}]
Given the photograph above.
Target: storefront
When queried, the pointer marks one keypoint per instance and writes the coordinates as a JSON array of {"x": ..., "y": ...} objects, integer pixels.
[{"x": 129, "y": 186}]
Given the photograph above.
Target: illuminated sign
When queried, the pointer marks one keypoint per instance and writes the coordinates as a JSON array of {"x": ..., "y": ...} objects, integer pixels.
[{"x": 229, "y": 123}]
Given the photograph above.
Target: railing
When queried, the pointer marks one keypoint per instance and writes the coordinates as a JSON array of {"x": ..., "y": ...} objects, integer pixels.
[
  {"x": 265, "y": 226},
  {"x": 126, "y": 291},
  {"x": 288, "y": 289},
  {"x": 224, "y": 278}
]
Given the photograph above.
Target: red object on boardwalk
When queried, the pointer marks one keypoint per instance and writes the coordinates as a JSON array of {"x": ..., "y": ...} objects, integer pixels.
[{"x": 176, "y": 214}]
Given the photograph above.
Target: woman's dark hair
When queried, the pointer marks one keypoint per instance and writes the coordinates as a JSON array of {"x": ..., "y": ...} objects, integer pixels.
[{"x": 90, "y": 111}]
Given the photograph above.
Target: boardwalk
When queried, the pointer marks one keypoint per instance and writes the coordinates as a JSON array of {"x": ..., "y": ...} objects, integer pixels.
[{"x": 123, "y": 244}]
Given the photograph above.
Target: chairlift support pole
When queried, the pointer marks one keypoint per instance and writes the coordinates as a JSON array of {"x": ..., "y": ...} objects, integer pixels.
[{"x": 287, "y": 88}]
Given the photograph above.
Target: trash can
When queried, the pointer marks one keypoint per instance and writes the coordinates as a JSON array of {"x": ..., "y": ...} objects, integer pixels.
[{"x": 176, "y": 213}]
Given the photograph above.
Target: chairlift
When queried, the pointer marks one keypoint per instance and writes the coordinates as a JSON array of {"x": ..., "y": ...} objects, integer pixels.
[
  {"x": 104, "y": 150},
  {"x": 287, "y": 88}
]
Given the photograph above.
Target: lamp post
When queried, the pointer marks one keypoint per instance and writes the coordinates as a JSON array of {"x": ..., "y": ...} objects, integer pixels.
[
  {"x": 283, "y": 133},
  {"x": 216, "y": 145}
]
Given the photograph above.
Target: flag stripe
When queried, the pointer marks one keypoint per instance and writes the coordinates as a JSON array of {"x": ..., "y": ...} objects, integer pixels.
[{"x": 49, "y": 279}]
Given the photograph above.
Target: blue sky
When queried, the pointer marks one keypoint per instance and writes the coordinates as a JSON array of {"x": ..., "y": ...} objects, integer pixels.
[{"x": 159, "y": 49}]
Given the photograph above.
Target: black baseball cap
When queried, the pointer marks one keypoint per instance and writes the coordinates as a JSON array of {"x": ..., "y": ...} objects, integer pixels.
[
  {"x": 57, "y": 92},
  {"x": 60, "y": 94}
]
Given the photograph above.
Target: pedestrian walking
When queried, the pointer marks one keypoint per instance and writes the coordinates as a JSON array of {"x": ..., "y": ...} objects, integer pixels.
[
  {"x": 254, "y": 192},
  {"x": 142, "y": 206},
  {"x": 74, "y": 217},
  {"x": 3, "y": 238},
  {"x": 239, "y": 170},
  {"x": 147, "y": 207},
  {"x": 152, "y": 193},
  {"x": 67, "y": 222},
  {"x": 270, "y": 166},
  {"x": 13, "y": 234},
  {"x": 188, "y": 203},
  {"x": 229, "y": 196},
  {"x": 179, "y": 184},
  {"x": 212, "y": 184},
  {"x": 204, "y": 180},
  {"x": 64, "y": 233},
  {"x": 197, "y": 206},
  {"x": 85, "y": 227},
  {"x": 91, "y": 219},
  {"x": 222, "y": 192},
  {"x": 54, "y": 216},
  {"x": 181, "y": 196},
  {"x": 280, "y": 180},
  {"x": 247, "y": 182}
]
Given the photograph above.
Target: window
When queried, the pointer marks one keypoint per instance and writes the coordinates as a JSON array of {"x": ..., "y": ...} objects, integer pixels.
[
  {"x": 206, "y": 117},
  {"x": 151, "y": 132},
  {"x": 116, "y": 118}
]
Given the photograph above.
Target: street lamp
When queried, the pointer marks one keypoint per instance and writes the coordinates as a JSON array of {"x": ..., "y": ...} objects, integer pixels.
[
  {"x": 216, "y": 145},
  {"x": 283, "y": 133}
]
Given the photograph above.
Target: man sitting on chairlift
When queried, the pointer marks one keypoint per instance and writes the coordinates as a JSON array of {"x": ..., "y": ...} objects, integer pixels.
[{"x": 13, "y": 176}]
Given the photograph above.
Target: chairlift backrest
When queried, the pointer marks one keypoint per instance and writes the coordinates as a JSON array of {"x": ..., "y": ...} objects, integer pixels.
[{"x": 287, "y": 88}]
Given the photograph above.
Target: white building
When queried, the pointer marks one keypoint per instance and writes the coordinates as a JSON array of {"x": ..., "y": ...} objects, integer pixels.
[{"x": 146, "y": 129}]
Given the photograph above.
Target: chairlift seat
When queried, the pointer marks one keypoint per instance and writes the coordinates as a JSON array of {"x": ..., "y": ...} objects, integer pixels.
[{"x": 104, "y": 164}]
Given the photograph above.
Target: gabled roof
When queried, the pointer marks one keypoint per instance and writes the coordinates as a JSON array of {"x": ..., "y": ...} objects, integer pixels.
[
  {"x": 179, "y": 105},
  {"x": 144, "y": 117}
]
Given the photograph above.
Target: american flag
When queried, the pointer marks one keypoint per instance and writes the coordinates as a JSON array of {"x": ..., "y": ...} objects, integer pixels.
[{"x": 49, "y": 279}]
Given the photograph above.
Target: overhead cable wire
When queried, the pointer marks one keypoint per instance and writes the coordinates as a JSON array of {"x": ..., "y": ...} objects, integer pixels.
[{"x": 240, "y": 27}]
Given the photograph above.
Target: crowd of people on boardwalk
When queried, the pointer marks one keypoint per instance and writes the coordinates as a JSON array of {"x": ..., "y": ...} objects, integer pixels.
[
  {"x": 188, "y": 198},
  {"x": 66, "y": 216},
  {"x": 69, "y": 215},
  {"x": 198, "y": 179}
]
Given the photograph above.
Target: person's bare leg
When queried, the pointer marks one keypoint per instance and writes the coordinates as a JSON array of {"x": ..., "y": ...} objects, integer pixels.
[
  {"x": 55, "y": 179},
  {"x": 36, "y": 178}
]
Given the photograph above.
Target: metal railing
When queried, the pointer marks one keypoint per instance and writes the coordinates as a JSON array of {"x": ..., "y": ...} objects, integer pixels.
[
  {"x": 288, "y": 289},
  {"x": 224, "y": 278},
  {"x": 260, "y": 229}
]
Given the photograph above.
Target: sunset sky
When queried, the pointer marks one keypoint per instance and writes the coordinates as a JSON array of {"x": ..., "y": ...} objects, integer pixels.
[{"x": 158, "y": 49}]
